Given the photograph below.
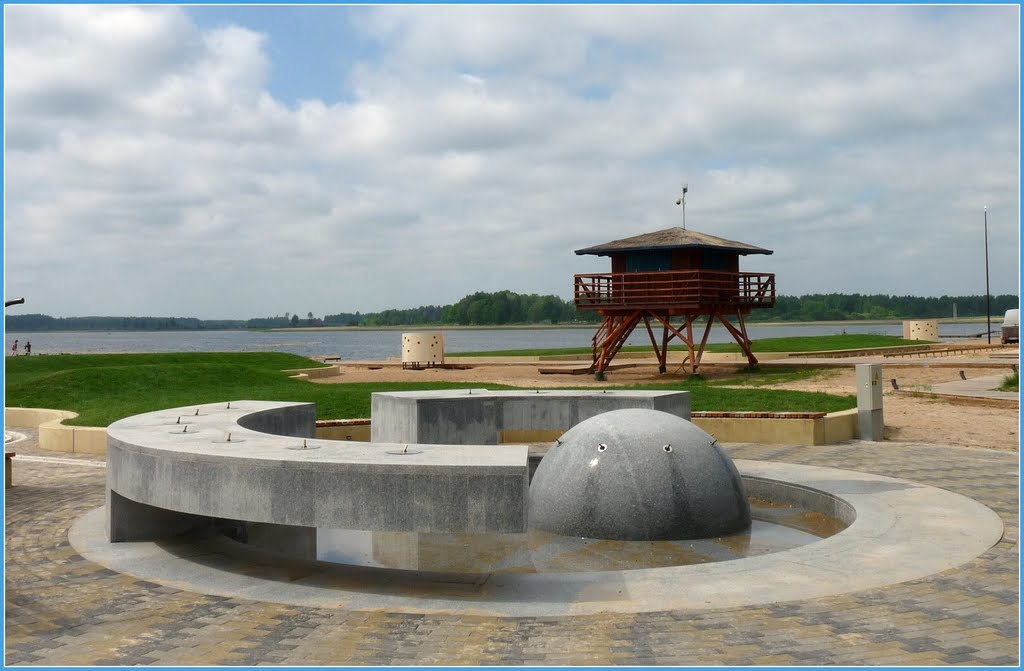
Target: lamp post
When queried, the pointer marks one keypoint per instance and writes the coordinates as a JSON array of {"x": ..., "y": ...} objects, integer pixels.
[
  {"x": 682, "y": 201},
  {"x": 988, "y": 298}
]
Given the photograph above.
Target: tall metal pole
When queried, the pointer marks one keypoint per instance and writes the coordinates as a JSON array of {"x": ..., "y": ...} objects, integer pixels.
[
  {"x": 988, "y": 300},
  {"x": 682, "y": 201}
]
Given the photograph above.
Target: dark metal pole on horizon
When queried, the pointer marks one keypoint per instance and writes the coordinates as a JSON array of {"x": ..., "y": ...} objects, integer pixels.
[{"x": 988, "y": 297}]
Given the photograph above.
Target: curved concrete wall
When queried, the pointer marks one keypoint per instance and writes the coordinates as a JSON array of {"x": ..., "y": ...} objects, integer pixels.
[
  {"x": 162, "y": 476},
  {"x": 54, "y": 435},
  {"x": 293, "y": 420}
]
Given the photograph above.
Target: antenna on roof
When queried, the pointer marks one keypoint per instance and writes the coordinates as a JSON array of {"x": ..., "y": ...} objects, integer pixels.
[{"x": 682, "y": 201}]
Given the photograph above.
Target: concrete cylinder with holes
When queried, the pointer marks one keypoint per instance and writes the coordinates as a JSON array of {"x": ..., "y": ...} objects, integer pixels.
[
  {"x": 637, "y": 474},
  {"x": 423, "y": 349}
]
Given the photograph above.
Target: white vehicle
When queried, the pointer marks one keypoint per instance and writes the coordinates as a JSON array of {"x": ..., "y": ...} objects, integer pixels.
[{"x": 1011, "y": 326}]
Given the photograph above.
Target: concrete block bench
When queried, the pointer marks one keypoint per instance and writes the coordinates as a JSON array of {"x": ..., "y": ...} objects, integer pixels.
[{"x": 257, "y": 461}]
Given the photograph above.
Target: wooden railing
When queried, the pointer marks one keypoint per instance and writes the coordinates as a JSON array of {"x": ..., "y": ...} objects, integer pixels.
[{"x": 672, "y": 288}]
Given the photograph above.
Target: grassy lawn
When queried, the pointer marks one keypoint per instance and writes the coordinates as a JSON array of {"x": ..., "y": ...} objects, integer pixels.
[
  {"x": 796, "y": 344},
  {"x": 710, "y": 396},
  {"x": 105, "y": 388}
]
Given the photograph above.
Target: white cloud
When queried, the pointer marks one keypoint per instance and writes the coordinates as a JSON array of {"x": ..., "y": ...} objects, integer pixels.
[{"x": 150, "y": 170}]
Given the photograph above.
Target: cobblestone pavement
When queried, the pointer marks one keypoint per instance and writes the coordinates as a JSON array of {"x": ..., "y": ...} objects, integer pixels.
[{"x": 64, "y": 610}]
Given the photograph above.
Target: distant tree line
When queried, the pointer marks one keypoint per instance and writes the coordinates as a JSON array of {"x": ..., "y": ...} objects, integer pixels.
[
  {"x": 839, "y": 307},
  {"x": 506, "y": 307},
  {"x": 479, "y": 309},
  {"x": 38, "y": 322}
]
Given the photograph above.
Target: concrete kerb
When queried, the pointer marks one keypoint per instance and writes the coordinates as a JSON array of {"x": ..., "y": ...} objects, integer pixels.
[
  {"x": 900, "y": 531},
  {"x": 54, "y": 435}
]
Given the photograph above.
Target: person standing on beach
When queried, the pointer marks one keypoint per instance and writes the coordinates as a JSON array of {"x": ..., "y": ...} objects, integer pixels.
[
  {"x": 14, "y": 348},
  {"x": 28, "y": 348}
]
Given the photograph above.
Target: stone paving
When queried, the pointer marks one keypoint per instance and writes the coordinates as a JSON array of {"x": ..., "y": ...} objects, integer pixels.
[{"x": 63, "y": 610}]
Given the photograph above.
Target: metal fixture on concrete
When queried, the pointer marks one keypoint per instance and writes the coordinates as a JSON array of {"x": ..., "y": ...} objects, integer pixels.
[{"x": 652, "y": 476}]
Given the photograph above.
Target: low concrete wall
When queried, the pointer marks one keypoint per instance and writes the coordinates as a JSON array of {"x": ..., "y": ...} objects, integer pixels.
[
  {"x": 54, "y": 435},
  {"x": 480, "y": 417},
  {"x": 30, "y": 418},
  {"x": 779, "y": 428},
  {"x": 840, "y": 426},
  {"x": 315, "y": 373}
]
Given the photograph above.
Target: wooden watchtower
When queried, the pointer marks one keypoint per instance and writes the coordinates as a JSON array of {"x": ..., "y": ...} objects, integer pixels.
[{"x": 674, "y": 274}]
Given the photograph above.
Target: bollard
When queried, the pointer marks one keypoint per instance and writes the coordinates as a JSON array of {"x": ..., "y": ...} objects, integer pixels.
[{"x": 869, "y": 401}]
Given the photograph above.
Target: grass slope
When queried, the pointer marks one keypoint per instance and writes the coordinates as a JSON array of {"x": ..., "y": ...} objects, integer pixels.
[{"x": 105, "y": 388}]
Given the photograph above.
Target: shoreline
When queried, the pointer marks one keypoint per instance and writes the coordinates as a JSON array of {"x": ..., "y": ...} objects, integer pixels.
[
  {"x": 594, "y": 325},
  {"x": 996, "y": 323}
]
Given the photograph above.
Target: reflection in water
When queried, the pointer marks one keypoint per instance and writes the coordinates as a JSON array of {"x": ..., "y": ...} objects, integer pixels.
[{"x": 775, "y": 528}]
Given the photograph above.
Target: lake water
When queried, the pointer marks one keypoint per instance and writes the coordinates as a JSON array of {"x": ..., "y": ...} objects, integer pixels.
[{"x": 383, "y": 344}]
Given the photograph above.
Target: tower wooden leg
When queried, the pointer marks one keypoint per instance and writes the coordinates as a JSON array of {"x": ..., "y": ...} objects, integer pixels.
[
  {"x": 664, "y": 351},
  {"x": 616, "y": 330},
  {"x": 741, "y": 338}
]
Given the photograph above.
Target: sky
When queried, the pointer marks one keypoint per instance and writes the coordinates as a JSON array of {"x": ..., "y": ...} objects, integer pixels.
[{"x": 235, "y": 162}]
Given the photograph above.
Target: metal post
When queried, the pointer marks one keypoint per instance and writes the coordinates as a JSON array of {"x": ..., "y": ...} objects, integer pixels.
[
  {"x": 988, "y": 298},
  {"x": 682, "y": 201}
]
